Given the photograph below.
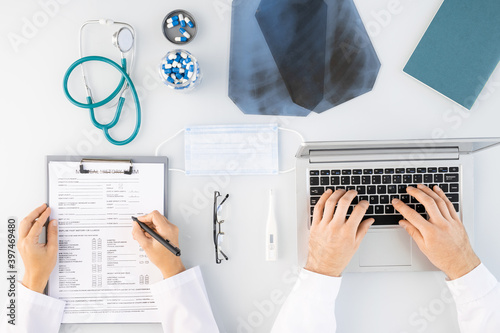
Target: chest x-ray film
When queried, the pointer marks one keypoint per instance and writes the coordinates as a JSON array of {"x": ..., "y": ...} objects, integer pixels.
[{"x": 232, "y": 150}]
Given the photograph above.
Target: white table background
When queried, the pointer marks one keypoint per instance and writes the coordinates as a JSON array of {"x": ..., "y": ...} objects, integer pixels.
[{"x": 37, "y": 120}]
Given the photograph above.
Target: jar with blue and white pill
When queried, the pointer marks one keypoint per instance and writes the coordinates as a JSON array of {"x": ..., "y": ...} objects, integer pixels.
[{"x": 180, "y": 71}]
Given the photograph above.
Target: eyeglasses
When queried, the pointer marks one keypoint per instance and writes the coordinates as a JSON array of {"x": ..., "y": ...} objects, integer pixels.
[{"x": 219, "y": 216}]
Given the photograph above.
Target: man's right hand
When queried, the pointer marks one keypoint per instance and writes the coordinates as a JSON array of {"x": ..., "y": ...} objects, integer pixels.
[
  {"x": 442, "y": 238},
  {"x": 166, "y": 261}
]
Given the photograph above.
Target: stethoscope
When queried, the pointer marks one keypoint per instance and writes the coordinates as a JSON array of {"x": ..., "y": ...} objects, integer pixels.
[{"x": 124, "y": 40}]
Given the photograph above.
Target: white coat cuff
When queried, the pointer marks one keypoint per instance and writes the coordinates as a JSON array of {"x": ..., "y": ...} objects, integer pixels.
[
  {"x": 40, "y": 305},
  {"x": 318, "y": 286},
  {"x": 176, "y": 281},
  {"x": 472, "y": 286}
]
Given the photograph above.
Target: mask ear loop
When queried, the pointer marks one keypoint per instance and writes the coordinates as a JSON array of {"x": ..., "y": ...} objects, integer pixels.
[
  {"x": 157, "y": 151},
  {"x": 301, "y": 138}
]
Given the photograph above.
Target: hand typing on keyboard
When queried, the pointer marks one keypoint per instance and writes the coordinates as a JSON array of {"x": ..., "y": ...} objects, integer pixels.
[
  {"x": 442, "y": 238},
  {"x": 334, "y": 239}
]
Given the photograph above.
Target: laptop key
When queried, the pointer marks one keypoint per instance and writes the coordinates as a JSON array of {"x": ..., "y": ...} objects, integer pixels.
[
  {"x": 407, "y": 179},
  {"x": 414, "y": 200},
  {"x": 389, "y": 209},
  {"x": 381, "y": 189},
  {"x": 453, "y": 187},
  {"x": 339, "y": 187},
  {"x": 401, "y": 188},
  {"x": 346, "y": 172},
  {"x": 314, "y": 200},
  {"x": 371, "y": 189},
  {"x": 432, "y": 170},
  {"x": 451, "y": 178},
  {"x": 376, "y": 179},
  {"x": 443, "y": 169},
  {"x": 379, "y": 209},
  {"x": 386, "y": 179},
  {"x": 356, "y": 180},
  {"x": 314, "y": 181},
  {"x": 336, "y": 172},
  {"x": 373, "y": 200},
  {"x": 345, "y": 180},
  {"x": 394, "y": 196},
  {"x": 456, "y": 207},
  {"x": 438, "y": 178},
  {"x": 411, "y": 170},
  {"x": 314, "y": 172},
  {"x": 369, "y": 211},
  {"x": 444, "y": 187},
  {"x": 417, "y": 178},
  {"x": 366, "y": 180},
  {"x": 317, "y": 190},
  {"x": 397, "y": 179},
  {"x": 453, "y": 197},
  {"x": 367, "y": 171},
  {"x": 389, "y": 171},
  {"x": 335, "y": 180},
  {"x": 392, "y": 189},
  {"x": 361, "y": 189},
  {"x": 330, "y": 188},
  {"x": 420, "y": 208},
  {"x": 363, "y": 197},
  {"x": 325, "y": 172},
  {"x": 384, "y": 199},
  {"x": 348, "y": 188},
  {"x": 400, "y": 170},
  {"x": 453, "y": 169},
  {"x": 378, "y": 171},
  {"x": 385, "y": 219},
  {"x": 405, "y": 198},
  {"x": 312, "y": 210},
  {"x": 421, "y": 170},
  {"x": 357, "y": 172},
  {"x": 427, "y": 178},
  {"x": 325, "y": 181},
  {"x": 355, "y": 200}
]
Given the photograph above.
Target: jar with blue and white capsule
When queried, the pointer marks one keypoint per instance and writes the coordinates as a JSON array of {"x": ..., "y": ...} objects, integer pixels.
[{"x": 180, "y": 71}]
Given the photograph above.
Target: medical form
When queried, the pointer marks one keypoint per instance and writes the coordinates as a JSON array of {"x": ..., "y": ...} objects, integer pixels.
[{"x": 102, "y": 273}]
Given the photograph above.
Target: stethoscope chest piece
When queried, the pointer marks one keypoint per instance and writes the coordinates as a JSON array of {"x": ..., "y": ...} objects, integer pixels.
[{"x": 123, "y": 39}]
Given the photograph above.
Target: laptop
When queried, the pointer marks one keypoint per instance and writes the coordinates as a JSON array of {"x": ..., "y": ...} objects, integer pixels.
[{"x": 381, "y": 171}]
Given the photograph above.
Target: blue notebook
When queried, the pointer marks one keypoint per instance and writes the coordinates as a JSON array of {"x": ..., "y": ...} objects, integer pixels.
[{"x": 459, "y": 50}]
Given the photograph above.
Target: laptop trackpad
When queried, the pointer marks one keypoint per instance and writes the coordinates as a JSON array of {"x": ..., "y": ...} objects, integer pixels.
[{"x": 387, "y": 247}]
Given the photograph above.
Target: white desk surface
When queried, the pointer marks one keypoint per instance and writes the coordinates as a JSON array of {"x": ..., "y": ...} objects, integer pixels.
[{"x": 37, "y": 120}]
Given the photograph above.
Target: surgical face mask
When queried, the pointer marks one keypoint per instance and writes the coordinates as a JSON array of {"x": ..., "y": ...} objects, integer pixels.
[{"x": 232, "y": 149}]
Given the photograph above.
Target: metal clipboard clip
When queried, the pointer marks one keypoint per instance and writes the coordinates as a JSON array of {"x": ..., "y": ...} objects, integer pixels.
[{"x": 96, "y": 160}]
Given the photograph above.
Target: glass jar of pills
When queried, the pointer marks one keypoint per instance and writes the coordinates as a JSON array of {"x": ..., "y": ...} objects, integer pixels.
[{"x": 179, "y": 70}]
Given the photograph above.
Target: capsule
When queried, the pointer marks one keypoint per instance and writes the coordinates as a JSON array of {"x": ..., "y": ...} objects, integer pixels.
[
  {"x": 178, "y": 76},
  {"x": 174, "y": 18},
  {"x": 185, "y": 33},
  {"x": 181, "y": 39},
  {"x": 188, "y": 21},
  {"x": 172, "y": 24},
  {"x": 169, "y": 79}
]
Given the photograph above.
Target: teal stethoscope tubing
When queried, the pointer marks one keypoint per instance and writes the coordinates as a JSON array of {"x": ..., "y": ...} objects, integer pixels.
[{"x": 91, "y": 106}]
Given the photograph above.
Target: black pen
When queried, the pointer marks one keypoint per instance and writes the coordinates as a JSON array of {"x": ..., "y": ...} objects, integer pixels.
[{"x": 164, "y": 242}]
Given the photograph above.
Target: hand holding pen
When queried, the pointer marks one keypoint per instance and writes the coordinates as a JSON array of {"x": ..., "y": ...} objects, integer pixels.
[{"x": 161, "y": 252}]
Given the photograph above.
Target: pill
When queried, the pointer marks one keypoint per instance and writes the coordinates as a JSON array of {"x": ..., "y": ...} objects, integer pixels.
[
  {"x": 190, "y": 74},
  {"x": 168, "y": 71},
  {"x": 175, "y": 70},
  {"x": 181, "y": 39},
  {"x": 184, "y": 55},
  {"x": 191, "y": 68},
  {"x": 188, "y": 21},
  {"x": 169, "y": 79},
  {"x": 181, "y": 19},
  {"x": 185, "y": 33},
  {"x": 180, "y": 70},
  {"x": 173, "y": 18},
  {"x": 173, "y": 24},
  {"x": 178, "y": 76},
  {"x": 168, "y": 66}
]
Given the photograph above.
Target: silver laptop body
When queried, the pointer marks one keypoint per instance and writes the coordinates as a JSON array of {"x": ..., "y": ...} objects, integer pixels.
[{"x": 386, "y": 247}]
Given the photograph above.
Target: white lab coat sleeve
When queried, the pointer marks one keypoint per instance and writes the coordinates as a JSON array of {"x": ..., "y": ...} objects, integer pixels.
[
  {"x": 183, "y": 304},
  {"x": 35, "y": 313},
  {"x": 477, "y": 296},
  {"x": 310, "y": 307}
]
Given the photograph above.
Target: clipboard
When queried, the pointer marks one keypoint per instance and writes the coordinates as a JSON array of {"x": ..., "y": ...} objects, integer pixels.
[
  {"x": 128, "y": 163},
  {"x": 122, "y": 167}
]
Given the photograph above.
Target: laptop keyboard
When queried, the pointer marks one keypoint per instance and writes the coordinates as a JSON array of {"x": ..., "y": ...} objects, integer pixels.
[{"x": 380, "y": 186}]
